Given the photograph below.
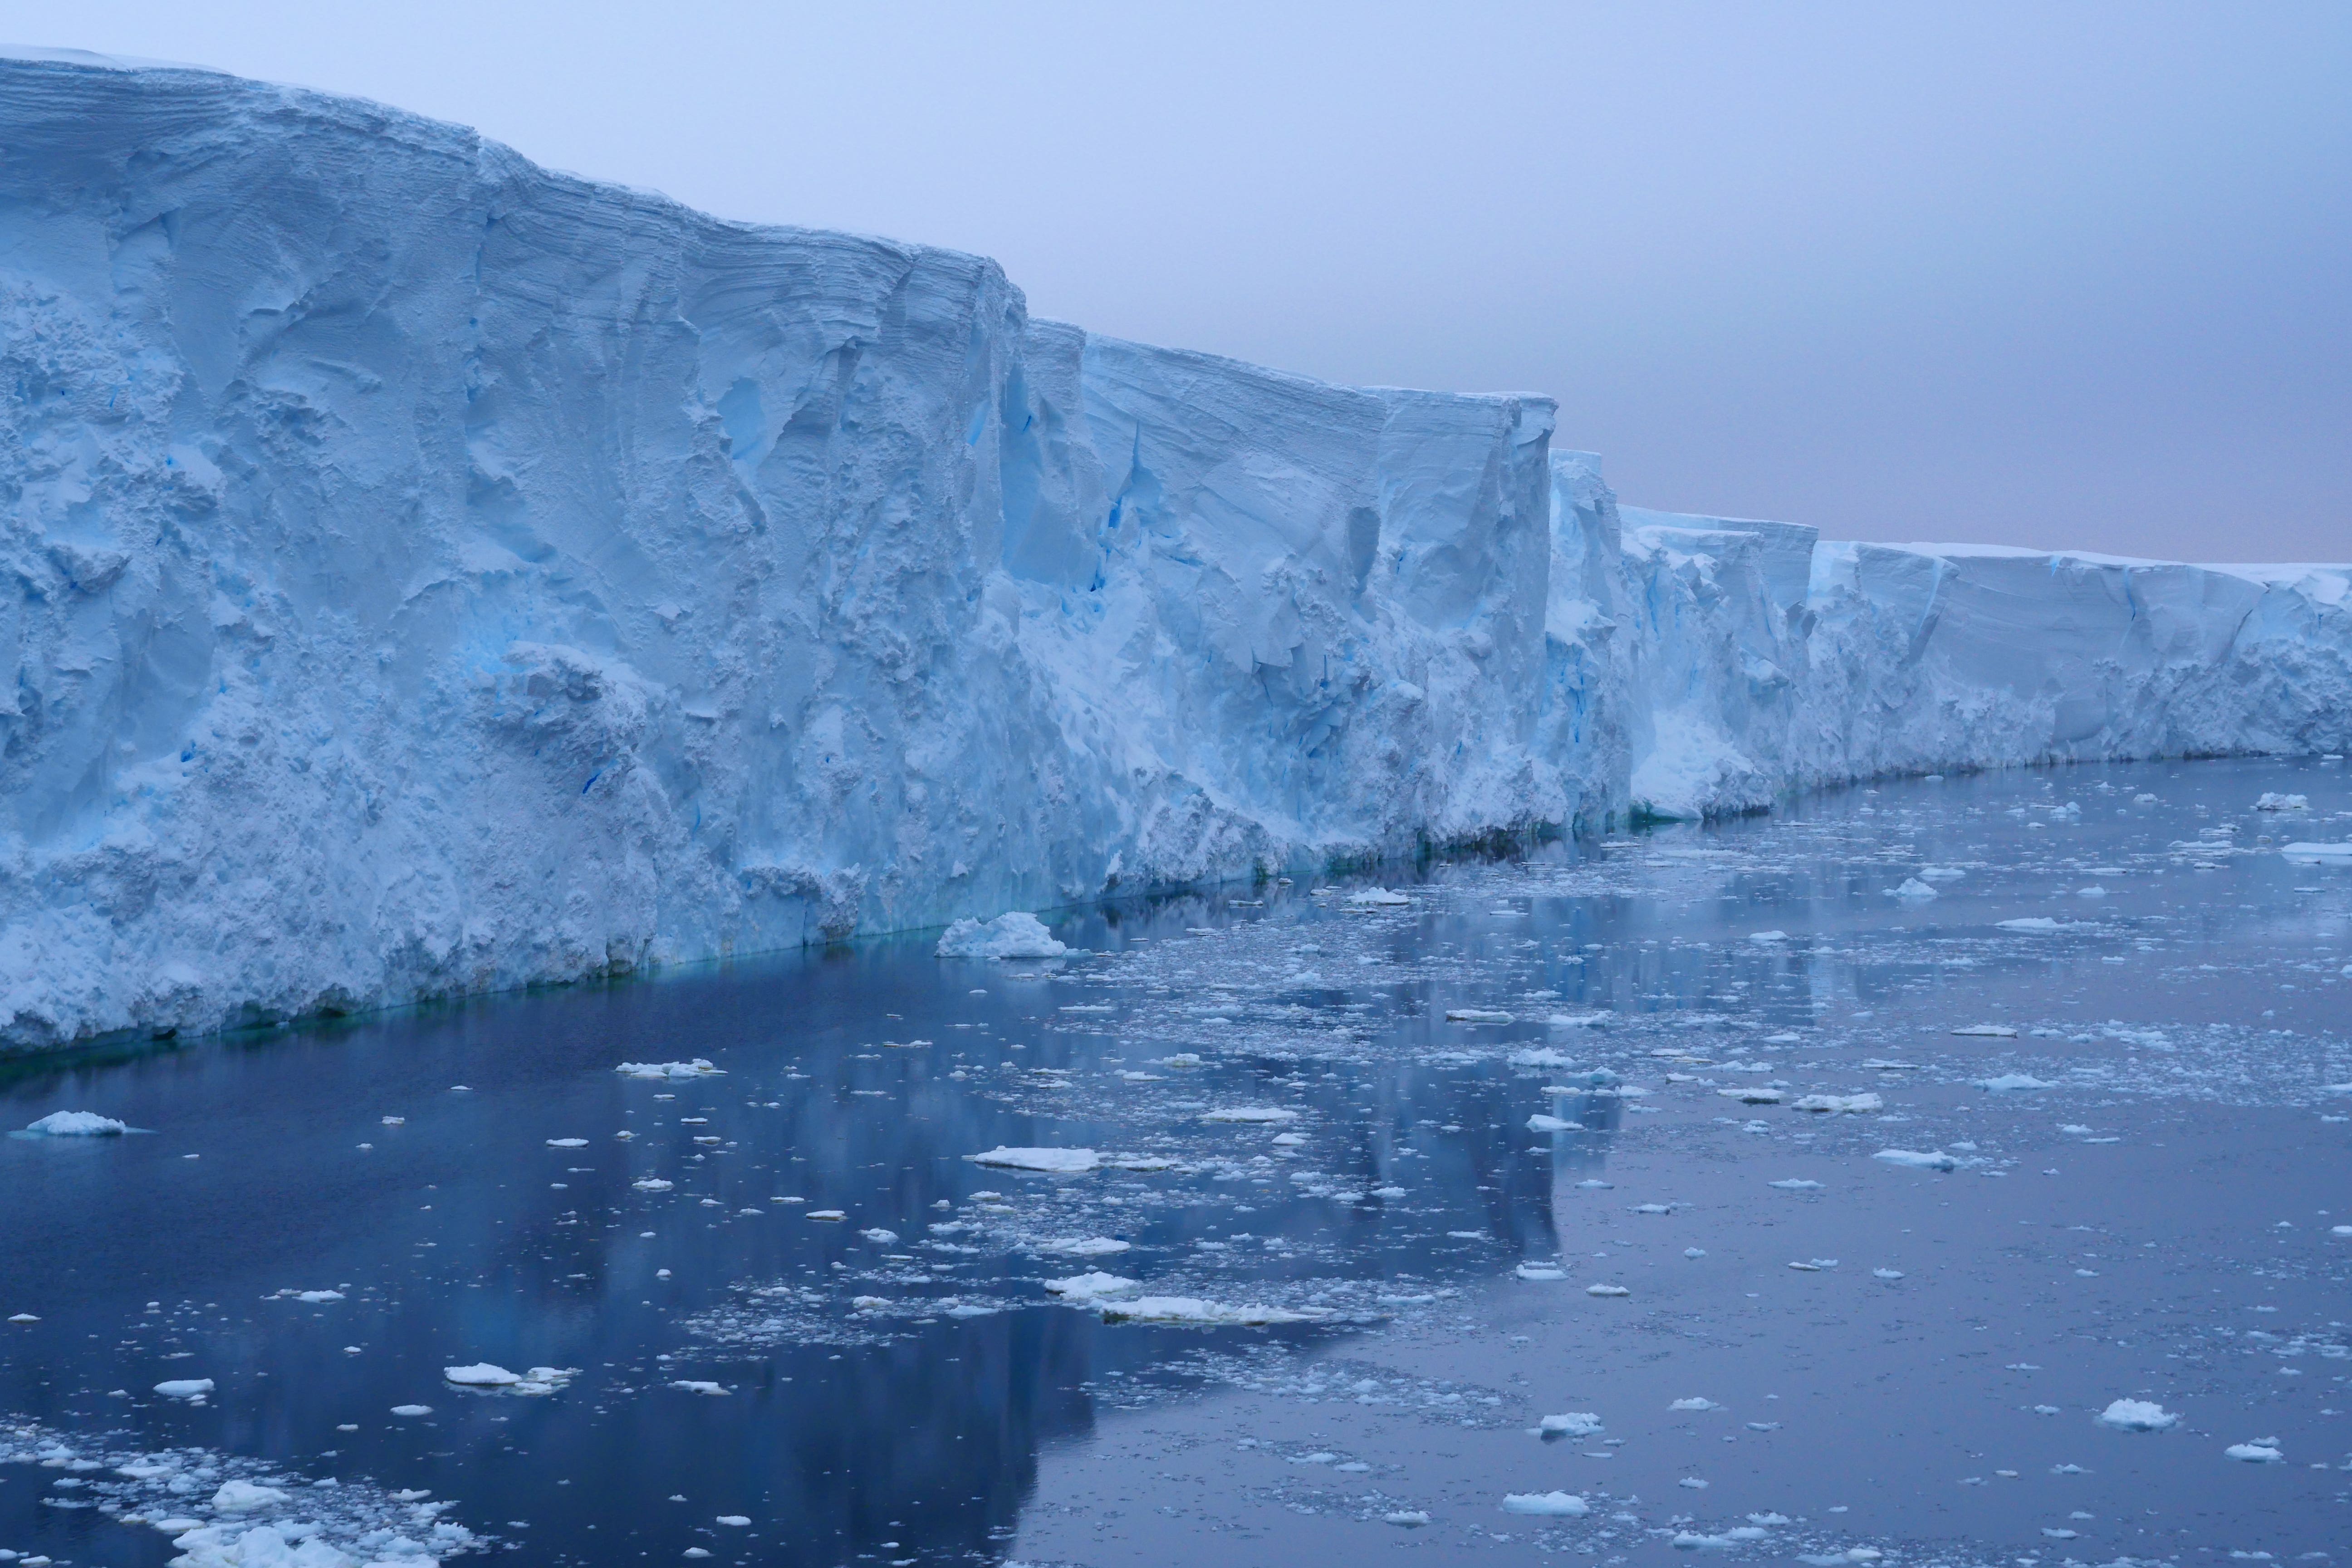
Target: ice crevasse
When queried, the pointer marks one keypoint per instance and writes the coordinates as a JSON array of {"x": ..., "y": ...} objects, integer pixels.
[{"x": 436, "y": 573}]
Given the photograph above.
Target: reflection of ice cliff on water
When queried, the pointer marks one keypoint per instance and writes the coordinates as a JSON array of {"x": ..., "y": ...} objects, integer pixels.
[{"x": 442, "y": 574}]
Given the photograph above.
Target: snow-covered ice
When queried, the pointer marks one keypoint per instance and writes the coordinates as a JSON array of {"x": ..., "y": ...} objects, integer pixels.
[
  {"x": 77, "y": 1124},
  {"x": 1016, "y": 934},
  {"x": 1545, "y": 1505},
  {"x": 2137, "y": 1416},
  {"x": 1053, "y": 1162}
]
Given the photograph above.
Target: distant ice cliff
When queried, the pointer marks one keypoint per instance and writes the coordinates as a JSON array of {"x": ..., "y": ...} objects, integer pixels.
[{"x": 435, "y": 573}]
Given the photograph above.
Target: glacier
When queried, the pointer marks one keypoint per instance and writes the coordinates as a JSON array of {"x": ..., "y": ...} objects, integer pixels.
[{"x": 437, "y": 573}]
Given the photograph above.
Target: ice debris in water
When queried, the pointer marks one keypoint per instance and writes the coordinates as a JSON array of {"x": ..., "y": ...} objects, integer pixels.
[
  {"x": 2260, "y": 1452},
  {"x": 1697, "y": 1402},
  {"x": 1574, "y": 1424},
  {"x": 1850, "y": 1104},
  {"x": 1052, "y": 1161},
  {"x": 194, "y": 1388},
  {"x": 1918, "y": 1160},
  {"x": 78, "y": 1124},
  {"x": 1016, "y": 934},
  {"x": 1540, "y": 1123},
  {"x": 1540, "y": 1273},
  {"x": 2319, "y": 854},
  {"x": 1190, "y": 1311},
  {"x": 1767, "y": 937},
  {"x": 1796, "y": 1184},
  {"x": 1252, "y": 1115},
  {"x": 1988, "y": 1031},
  {"x": 1607, "y": 1290},
  {"x": 2011, "y": 1082},
  {"x": 1477, "y": 1015},
  {"x": 2273, "y": 800},
  {"x": 2137, "y": 1415},
  {"x": 1408, "y": 1519},
  {"x": 1915, "y": 889},
  {"x": 1085, "y": 1247},
  {"x": 1082, "y": 1288},
  {"x": 1375, "y": 898},
  {"x": 243, "y": 1497},
  {"x": 1545, "y": 1505},
  {"x": 697, "y": 1068},
  {"x": 485, "y": 1374}
]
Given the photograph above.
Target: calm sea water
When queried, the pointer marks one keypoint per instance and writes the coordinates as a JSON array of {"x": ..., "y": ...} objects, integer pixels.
[{"x": 1817, "y": 1353}]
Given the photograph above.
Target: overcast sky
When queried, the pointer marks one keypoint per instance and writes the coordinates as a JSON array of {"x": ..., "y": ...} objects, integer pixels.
[{"x": 2050, "y": 274}]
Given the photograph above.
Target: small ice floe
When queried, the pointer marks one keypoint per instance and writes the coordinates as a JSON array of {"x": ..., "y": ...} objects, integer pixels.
[
  {"x": 1545, "y": 1505},
  {"x": 2092, "y": 892},
  {"x": 652, "y": 1185},
  {"x": 23, "y": 1317},
  {"x": 412, "y": 1411},
  {"x": 876, "y": 1235},
  {"x": 190, "y": 1388},
  {"x": 1540, "y": 1056},
  {"x": 1752, "y": 1094},
  {"x": 1574, "y": 1424},
  {"x": 1540, "y": 1273},
  {"x": 1988, "y": 1031},
  {"x": 1698, "y": 1402},
  {"x": 2137, "y": 1415},
  {"x": 1406, "y": 1519},
  {"x": 1693, "y": 1252},
  {"x": 697, "y": 1385},
  {"x": 1739, "y": 1535},
  {"x": 2260, "y": 1452},
  {"x": 1845, "y": 1104},
  {"x": 1767, "y": 937},
  {"x": 2012, "y": 1083},
  {"x": 1654, "y": 1209},
  {"x": 1878, "y": 1064},
  {"x": 1477, "y": 1015},
  {"x": 1540, "y": 1123},
  {"x": 1607, "y": 1290},
  {"x": 488, "y": 1375},
  {"x": 697, "y": 1068},
  {"x": 734, "y": 1520},
  {"x": 2273, "y": 800},
  {"x": 78, "y": 1124},
  {"x": 1085, "y": 1246},
  {"x": 1918, "y": 1160},
  {"x": 1599, "y": 1020},
  {"x": 567, "y": 1143},
  {"x": 829, "y": 1216},
  {"x": 2319, "y": 854},
  {"x": 1052, "y": 1161},
  {"x": 1390, "y": 1194},
  {"x": 244, "y": 1497},
  {"x": 1375, "y": 898},
  {"x": 1886, "y": 1274},
  {"x": 1941, "y": 873},
  {"x": 1015, "y": 934},
  {"x": 1190, "y": 1311},
  {"x": 1913, "y": 889},
  {"x": 1095, "y": 1285},
  {"x": 1796, "y": 1184},
  {"x": 1252, "y": 1115}
]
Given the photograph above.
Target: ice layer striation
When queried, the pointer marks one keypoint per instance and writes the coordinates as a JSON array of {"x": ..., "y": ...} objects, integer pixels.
[{"x": 435, "y": 573}]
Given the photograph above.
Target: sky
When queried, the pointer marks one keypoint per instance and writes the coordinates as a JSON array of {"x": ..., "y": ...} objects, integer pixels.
[{"x": 2057, "y": 274}]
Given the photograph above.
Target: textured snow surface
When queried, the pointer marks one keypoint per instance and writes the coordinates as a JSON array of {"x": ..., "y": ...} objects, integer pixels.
[{"x": 436, "y": 573}]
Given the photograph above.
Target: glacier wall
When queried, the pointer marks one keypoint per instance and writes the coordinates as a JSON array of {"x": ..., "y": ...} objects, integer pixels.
[{"x": 434, "y": 574}]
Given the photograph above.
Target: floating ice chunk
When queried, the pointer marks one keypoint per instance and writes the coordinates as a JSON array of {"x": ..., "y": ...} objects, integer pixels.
[
  {"x": 2012, "y": 1083},
  {"x": 1375, "y": 898},
  {"x": 829, "y": 1216},
  {"x": 481, "y": 1375},
  {"x": 1693, "y": 1252},
  {"x": 1545, "y": 1505},
  {"x": 243, "y": 1497},
  {"x": 1540, "y": 1273},
  {"x": 1543, "y": 1123},
  {"x": 1191, "y": 1311},
  {"x": 1917, "y": 1160},
  {"x": 733, "y": 1521},
  {"x": 1390, "y": 1194},
  {"x": 652, "y": 1185},
  {"x": 1849, "y": 1104},
  {"x": 1796, "y": 1184},
  {"x": 1915, "y": 889},
  {"x": 1752, "y": 1094},
  {"x": 1574, "y": 1424},
  {"x": 1767, "y": 937},
  {"x": 1654, "y": 1209},
  {"x": 1054, "y": 1161},
  {"x": 1541, "y": 1056},
  {"x": 1696, "y": 1403},
  {"x": 1253, "y": 1115},
  {"x": 78, "y": 1124},
  {"x": 2092, "y": 892},
  {"x": 1095, "y": 1285},
  {"x": 412, "y": 1410},
  {"x": 879, "y": 1237},
  {"x": 1086, "y": 1246},
  {"x": 1878, "y": 1065},
  {"x": 2030, "y": 923},
  {"x": 697, "y": 1385},
  {"x": 185, "y": 1387},
  {"x": 2137, "y": 1415},
  {"x": 2319, "y": 854},
  {"x": 1886, "y": 1274},
  {"x": 1941, "y": 873},
  {"x": 1016, "y": 934},
  {"x": 1988, "y": 1031},
  {"x": 1599, "y": 1020},
  {"x": 1607, "y": 1290},
  {"x": 316, "y": 1296},
  {"x": 2274, "y": 801},
  {"x": 1406, "y": 1519},
  {"x": 697, "y": 1068},
  {"x": 2263, "y": 1451},
  {"x": 1477, "y": 1015}
]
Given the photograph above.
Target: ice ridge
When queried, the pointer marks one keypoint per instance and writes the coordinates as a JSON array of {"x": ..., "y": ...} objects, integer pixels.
[{"x": 437, "y": 574}]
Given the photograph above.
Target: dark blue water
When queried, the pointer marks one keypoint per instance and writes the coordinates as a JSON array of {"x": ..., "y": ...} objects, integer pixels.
[{"x": 2157, "y": 1222}]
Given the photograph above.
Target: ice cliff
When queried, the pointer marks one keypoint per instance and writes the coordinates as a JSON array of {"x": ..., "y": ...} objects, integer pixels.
[{"x": 436, "y": 573}]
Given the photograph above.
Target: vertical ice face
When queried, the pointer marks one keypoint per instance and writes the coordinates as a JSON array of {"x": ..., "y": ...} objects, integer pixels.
[{"x": 434, "y": 574}]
